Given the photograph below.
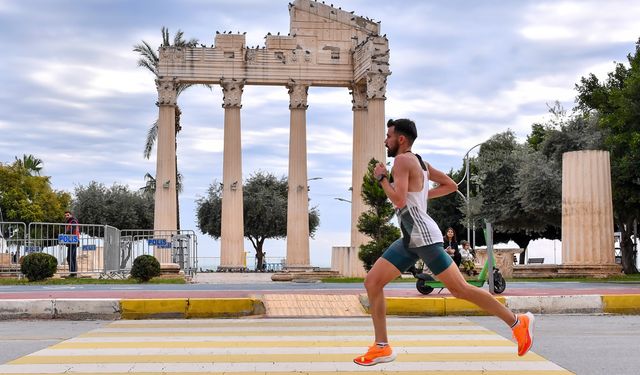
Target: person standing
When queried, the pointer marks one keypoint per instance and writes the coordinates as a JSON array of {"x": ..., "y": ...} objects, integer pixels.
[
  {"x": 72, "y": 227},
  {"x": 421, "y": 238},
  {"x": 451, "y": 246}
]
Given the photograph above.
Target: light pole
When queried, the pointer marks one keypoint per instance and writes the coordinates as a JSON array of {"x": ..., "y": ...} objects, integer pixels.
[
  {"x": 342, "y": 200},
  {"x": 466, "y": 199}
]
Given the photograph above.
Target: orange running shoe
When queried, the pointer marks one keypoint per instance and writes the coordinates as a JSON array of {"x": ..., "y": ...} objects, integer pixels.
[
  {"x": 523, "y": 332},
  {"x": 375, "y": 355}
]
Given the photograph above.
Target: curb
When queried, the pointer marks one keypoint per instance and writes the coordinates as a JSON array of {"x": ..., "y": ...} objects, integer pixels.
[{"x": 186, "y": 308}]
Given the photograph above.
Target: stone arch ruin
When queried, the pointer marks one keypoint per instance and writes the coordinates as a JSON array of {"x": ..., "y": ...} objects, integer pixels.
[{"x": 327, "y": 47}]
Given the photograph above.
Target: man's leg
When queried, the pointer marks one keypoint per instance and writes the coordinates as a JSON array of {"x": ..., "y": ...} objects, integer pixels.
[
  {"x": 522, "y": 325},
  {"x": 73, "y": 261},
  {"x": 380, "y": 275}
]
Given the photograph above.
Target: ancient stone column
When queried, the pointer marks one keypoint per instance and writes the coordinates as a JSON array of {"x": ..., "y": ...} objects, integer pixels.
[
  {"x": 232, "y": 230},
  {"x": 376, "y": 126},
  {"x": 165, "y": 211},
  {"x": 359, "y": 168},
  {"x": 587, "y": 214},
  {"x": 298, "y": 198}
]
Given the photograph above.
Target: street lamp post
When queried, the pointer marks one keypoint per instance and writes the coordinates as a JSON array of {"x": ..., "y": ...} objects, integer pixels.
[{"x": 466, "y": 176}]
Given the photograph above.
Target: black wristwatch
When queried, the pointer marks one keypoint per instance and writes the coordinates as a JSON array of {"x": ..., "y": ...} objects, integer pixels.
[{"x": 381, "y": 177}]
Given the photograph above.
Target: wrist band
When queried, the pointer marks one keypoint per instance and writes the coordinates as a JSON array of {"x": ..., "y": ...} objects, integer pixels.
[{"x": 381, "y": 177}]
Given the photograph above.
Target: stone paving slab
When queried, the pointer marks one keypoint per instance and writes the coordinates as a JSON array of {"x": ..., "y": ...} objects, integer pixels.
[{"x": 309, "y": 305}]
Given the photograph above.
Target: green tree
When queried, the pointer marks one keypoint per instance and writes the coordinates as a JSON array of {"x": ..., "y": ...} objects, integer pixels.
[
  {"x": 264, "y": 210},
  {"x": 616, "y": 102},
  {"x": 149, "y": 60},
  {"x": 27, "y": 198},
  {"x": 117, "y": 206},
  {"x": 375, "y": 222},
  {"x": 519, "y": 192}
]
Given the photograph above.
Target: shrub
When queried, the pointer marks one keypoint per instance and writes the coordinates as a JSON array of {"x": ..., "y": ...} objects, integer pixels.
[
  {"x": 145, "y": 267},
  {"x": 38, "y": 266}
]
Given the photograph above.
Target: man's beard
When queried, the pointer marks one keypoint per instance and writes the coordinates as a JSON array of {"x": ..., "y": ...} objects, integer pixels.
[{"x": 392, "y": 152}]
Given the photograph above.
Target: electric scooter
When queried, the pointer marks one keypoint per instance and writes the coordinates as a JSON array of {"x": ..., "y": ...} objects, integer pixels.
[{"x": 425, "y": 282}]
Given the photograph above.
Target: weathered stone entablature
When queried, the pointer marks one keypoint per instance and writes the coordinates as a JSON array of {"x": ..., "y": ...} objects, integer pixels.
[
  {"x": 325, "y": 46},
  {"x": 298, "y": 96},
  {"x": 232, "y": 92},
  {"x": 167, "y": 91}
]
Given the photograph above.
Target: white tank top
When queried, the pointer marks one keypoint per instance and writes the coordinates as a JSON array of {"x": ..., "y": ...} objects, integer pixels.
[{"x": 418, "y": 228}]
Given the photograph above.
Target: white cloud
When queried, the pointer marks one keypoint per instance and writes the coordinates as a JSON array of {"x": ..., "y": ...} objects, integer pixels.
[
  {"x": 85, "y": 82},
  {"x": 582, "y": 22}
]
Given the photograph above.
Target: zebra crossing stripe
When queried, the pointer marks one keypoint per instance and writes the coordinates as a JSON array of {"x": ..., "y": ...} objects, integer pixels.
[{"x": 303, "y": 346}]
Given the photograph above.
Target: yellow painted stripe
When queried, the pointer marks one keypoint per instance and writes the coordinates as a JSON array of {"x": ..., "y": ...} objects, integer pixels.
[
  {"x": 288, "y": 333},
  {"x": 415, "y": 306},
  {"x": 470, "y": 372},
  {"x": 235, "y": 358},
  {"x": 271, "y": 344},
  {"x": 265, "y": 323},
  {"x": 621, "y": 303},
  {"x": 153, "y": 308},
  {"x": 221, "y": 307},
  {"x": 455, "y": 306}
]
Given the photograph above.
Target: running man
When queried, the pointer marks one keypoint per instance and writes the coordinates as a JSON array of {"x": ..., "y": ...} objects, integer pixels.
[{"x": 421, "y": 238}]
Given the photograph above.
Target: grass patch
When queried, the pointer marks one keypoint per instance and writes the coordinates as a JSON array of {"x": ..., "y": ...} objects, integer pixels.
[{"x": 84, "y": 281}]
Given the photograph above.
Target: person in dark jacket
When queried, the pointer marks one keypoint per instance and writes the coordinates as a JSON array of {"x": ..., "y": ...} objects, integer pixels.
[
  {"x": 72, "y": 227},
  {"x": 451, "y": 246}
]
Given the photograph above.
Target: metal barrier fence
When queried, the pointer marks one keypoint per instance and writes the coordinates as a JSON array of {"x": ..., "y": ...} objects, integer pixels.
[
  {"x": 92, "y": 244},
  {"x": 12, "y": 246},
  {"x": 100, "y": 250},
  {"x": 168, "y": 246}
]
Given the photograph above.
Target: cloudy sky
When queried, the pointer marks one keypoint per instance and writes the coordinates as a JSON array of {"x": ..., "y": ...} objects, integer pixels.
[{"x": 72, "y": 95}]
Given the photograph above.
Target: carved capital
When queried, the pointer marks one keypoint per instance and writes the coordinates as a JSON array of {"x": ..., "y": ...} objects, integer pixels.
[
  {"x": 298, "y": 96},
  {"x": 359, "y": 97},
  {"x": 167, "y": 91},
  {"x": 232, "y": 91},
  {"x": 376, "y": 86}
]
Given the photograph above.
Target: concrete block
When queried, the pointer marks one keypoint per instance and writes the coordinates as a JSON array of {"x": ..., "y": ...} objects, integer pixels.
[
  {"x": 82, "y": 309},
  {"x": 415, "y": 306},
  {"x": 26, "y": 309},
  {"x": 621, "y": 304},
  {"x": 170, "y": 308},
  {"x": 588, "y": 304},
  {"x": 223, "y": 307}
]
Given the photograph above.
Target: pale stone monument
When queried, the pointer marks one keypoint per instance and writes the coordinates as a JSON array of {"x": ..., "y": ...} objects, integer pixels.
[
  {"x": 327, "y": 47},
  {"x": 587, "y": 215}
]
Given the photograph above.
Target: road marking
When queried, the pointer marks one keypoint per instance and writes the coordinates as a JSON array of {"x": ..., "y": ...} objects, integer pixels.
[{"x": 277, "y": 346}]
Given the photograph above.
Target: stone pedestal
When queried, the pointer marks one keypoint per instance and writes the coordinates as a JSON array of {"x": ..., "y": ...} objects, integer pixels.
[
  {"x": 503, "y": 257},
  {"x": 345, "y": 261},
  {"x": 587, "y": 215}
]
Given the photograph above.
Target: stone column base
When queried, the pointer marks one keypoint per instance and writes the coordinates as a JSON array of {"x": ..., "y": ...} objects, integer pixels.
[
  {"x": 589, "y": 270},
  {"x": 561, "y": 270}
]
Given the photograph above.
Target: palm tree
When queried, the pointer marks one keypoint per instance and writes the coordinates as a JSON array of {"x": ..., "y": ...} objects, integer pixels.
[
  {"x": 30, "y": 163},
  {"x": 149, "y": 59}
]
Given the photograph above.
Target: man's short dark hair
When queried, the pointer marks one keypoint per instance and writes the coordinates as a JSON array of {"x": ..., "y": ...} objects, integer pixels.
[
  {"x": 405, "y": 127},
  {"x": 68, "y": 212}
]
